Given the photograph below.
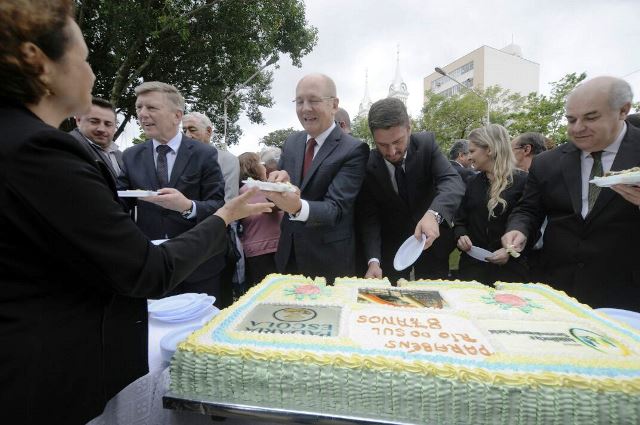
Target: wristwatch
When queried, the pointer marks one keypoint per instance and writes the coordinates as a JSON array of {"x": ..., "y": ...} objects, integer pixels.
[
  {"x": 437, "y": 215},
  {"x": 187, "y": 213}
]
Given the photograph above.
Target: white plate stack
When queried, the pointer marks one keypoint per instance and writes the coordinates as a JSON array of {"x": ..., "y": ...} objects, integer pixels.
[{"x": 182, "y": 308}]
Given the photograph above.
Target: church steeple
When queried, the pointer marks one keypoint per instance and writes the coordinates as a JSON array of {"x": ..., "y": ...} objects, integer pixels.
[
  {"x": 398, "y": 88},
  {"x": 365, "y": 104}
]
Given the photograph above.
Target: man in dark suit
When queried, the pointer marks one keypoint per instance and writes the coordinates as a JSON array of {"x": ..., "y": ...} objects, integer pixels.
[
  {"x": 410, "y": 189},
  {"x": 95, "y": 131},
  {"x": 185, "y": 172},
  {"x": 327, "y": 166},
  {"x": 590, "y": 243},
  {"x": 459, "y": 158}
]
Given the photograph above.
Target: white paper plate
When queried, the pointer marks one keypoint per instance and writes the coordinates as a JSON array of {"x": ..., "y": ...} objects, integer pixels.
[
  {"x": 409, "y": 252},
  {"x": 479, "y": 253},
  {"x": 175, "y": 304},
  {"x": 207, "y": 311},
  {"x": 169, "y": 342},
  {"x": 631, "y": 318},
  {"x": 629, "y": 178},
  {"x": 193, "y": 310},
  {"x": 270, "y": 186},
  {"x": 136, "y": 193}
]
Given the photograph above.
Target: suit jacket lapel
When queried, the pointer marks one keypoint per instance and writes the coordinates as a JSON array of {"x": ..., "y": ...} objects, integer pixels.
[
  {"x": 628, "y": 156},
  {"x": 182, "y": 159},
  {"x": 571, "y": 171},
  {"x": 149, "y": 166},
  {"x": 330, "y": 143},
  {"x": 299, "y": 147},
  {"x": 412, "y": 169}
]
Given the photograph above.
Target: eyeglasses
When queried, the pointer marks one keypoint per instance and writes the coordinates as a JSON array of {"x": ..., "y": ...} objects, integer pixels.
[
  {"x": 517, "y": 147},
  {"x": 313, "y": 101}
]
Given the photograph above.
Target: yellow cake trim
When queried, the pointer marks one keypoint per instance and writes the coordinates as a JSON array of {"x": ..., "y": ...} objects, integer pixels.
[{"x": 625, "y": 385}]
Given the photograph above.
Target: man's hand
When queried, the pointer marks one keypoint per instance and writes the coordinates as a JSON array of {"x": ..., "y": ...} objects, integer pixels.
[
  {"x": 279, "y": 176},
  {"x": 514, "y": 239},
  {"x": 629, "y": 192},
  {"x": 286, "y": 201},
  {"x": 464, "y": 243},
  {"x": 429, "y": 227},
  {"x": 499, "y": 257},
  {"x": 169, "y": 198},
  {"x": 374, "y": 271},
  {"x": 239, "y": 207}
]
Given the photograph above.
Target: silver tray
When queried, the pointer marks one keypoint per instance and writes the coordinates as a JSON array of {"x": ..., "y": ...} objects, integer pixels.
[{"x": 261, "y": 414}]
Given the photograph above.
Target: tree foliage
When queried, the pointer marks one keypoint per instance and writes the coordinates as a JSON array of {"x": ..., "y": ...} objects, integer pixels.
[
  {"x": 206, "y": 48},
  {"x": 360, "y": 130},
  {"x": 454, "y": 117},
  {"x": 545, "y": 114},
  {"x": 276, "y": 138}
]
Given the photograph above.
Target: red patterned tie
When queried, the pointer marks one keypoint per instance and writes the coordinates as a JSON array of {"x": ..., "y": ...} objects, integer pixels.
[{"x": 308, "y": 156}]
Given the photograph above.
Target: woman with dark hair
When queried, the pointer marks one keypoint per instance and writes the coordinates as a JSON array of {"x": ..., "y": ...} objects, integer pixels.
[
  {"x": 260, "y": 232},
  {"x": 67, "y": 248},
  {"x": 489, "y": 199}
]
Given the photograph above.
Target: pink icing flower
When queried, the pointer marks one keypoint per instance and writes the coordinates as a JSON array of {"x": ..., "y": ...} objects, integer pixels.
[
  {"x": 510, "y": 299},
  {"x": 307, "y": 290}
]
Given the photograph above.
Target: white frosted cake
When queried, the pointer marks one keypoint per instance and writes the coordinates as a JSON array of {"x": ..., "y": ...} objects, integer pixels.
[{"x": 424, "y": 352}]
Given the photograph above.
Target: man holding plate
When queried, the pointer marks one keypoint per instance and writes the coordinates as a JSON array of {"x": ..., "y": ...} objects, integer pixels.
[
  {"x": 590, "y": 243},
  {"x": 410, "y": 189}
]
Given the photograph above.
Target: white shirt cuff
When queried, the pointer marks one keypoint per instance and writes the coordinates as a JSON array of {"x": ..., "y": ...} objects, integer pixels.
[
  {"x": 372, "y": 260},
  {"x": 193, "y": 211},
  {"x": 303, "y": 214}
]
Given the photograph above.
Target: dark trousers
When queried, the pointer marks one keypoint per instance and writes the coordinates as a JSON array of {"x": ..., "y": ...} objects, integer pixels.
[{"x": 256, "y": 268}]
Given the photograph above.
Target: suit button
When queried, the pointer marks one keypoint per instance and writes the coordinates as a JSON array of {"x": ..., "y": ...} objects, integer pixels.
[{"x": 581, "y": 265}]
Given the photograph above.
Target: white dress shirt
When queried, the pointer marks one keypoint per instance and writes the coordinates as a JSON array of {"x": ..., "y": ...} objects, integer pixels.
[
  {"x": 303, "y": 215},
  {"x": 586, "y": 162},
  {"x": 174, "y": 143}
]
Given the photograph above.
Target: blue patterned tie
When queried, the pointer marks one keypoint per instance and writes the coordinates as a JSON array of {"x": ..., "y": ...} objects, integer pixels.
[{"x": 162, "y": 169}]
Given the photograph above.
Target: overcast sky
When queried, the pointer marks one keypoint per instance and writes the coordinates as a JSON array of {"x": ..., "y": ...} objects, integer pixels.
[{"x": 598, "y": 37}]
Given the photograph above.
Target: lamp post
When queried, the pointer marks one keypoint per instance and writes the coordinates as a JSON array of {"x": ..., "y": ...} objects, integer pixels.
[
  {"x": 442, "y": 72},
  {"x": 271, "y": 61}
]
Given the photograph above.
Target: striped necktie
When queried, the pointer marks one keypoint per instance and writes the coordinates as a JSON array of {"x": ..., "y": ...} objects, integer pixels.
[{"x": 596, "y": 171}]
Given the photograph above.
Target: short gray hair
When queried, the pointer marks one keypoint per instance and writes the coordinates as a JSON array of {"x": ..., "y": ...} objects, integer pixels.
[
  {"x": 270, "y": 154},
  {"x": 620, "y": 93},
  {"x": 343, "y": 116},
  {"x": 201, "y": 118},
  {"x": 458, "y": 147},
  {"x": 172, "y": 93}
]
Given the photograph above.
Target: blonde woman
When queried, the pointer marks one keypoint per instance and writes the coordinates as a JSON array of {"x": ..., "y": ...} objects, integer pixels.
[{"x": 487, "y": 203}]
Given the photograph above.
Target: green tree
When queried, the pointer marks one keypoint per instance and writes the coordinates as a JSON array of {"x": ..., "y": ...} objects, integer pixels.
[
  {"x": 206, "y": 48},
  {"x": 453, "y": 117},
  {"x": 360, "y": 130},
  {"x": 545, "y": 114},
  {"x": 276, "y": 138}
]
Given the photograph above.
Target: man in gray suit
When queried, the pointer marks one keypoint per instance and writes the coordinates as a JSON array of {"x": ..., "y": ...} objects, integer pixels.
[
  {"x": 199, "y": 127},
  {"x": 328, "y": 167},
  {"x": 95, "y": 131}
]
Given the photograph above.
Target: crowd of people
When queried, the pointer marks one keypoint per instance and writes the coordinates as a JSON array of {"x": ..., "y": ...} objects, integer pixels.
[{"x": 78, "y": 263}]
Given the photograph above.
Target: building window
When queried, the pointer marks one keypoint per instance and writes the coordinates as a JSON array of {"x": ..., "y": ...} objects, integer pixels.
[{"x": 436, "y": 84}]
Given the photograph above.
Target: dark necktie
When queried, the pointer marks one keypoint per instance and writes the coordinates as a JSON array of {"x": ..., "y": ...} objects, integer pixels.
[
  {"x": 308, "y": 156},
  {"x": 401, "y": 181},
  {"x": 162, "y": 169},
  {"x": 596, "y": 171}
]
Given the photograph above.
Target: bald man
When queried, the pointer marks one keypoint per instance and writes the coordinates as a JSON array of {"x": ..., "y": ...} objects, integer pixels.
[
  {"x": 590, "y": 245},
  {"x": 328, "y": 166}
]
